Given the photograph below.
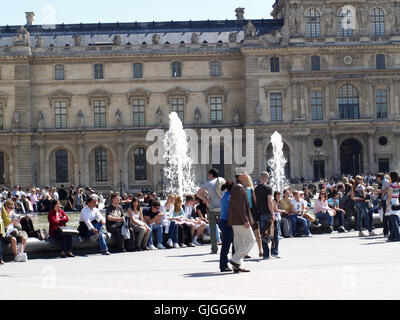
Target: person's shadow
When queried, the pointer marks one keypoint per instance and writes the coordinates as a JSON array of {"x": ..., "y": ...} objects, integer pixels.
[{"x": 206, "y": 274}]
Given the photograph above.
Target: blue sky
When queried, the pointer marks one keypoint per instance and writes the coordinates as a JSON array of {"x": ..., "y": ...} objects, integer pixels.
[{"x": 90, "y": 11}]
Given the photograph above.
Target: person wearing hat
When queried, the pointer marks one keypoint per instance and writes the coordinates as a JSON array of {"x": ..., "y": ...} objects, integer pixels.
[
  {"x": 240, "y": 219},
  {"x": 91, "y": 222}
]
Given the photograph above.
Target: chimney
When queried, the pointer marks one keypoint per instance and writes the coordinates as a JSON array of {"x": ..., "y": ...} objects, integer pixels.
[
  {"x": 239, "y": 13},
  {"x": 29, "y": 18}
]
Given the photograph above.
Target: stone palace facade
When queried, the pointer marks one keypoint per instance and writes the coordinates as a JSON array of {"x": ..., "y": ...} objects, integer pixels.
[{"x": 77, "y": 100}]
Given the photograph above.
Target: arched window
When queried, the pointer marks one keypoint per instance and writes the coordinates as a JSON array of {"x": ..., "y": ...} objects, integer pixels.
[
  {"x": 140, "y": 164},
  {"x": 313, "y": 23},
  {"x": 345, "y": 23},
  {"x": 61, "y": 166},
  {"x": 377, "y": 22},
  {"x": 348, "y": 102},
  {"x": 101, "y": 166}
]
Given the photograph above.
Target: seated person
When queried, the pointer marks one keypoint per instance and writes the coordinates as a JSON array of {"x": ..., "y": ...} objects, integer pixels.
[
  {"x": 297, "y": 210},
  {"x": 189, "y": 212},
  {"x": 333, "y": 203},
  {"x": 142, "y": 231},
  {"x": 188, "y": 226},
  {"x": 322, "y": 210},
  {"x": 202, "y": 213},
  {"x": 115, "y": 221},
  {"x": 170, "y": 225},
  {"x": 152, "y": 217},
  {"x": 91, "y": 222}
]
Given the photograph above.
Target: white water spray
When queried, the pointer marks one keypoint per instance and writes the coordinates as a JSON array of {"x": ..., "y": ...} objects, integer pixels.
[{"x": 277, "y": 163}]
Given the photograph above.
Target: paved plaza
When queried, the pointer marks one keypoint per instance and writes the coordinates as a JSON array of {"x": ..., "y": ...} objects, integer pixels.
[{"x": 329, "y": 266}]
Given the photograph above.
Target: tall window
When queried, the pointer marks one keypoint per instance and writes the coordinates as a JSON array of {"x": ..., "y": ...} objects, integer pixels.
[
  {"x": 59, "y": 72},
  {"x": 2, "y": 175},
  {"x": 100, "y": 163},
  {"x": 137, "y": 70},
  {"x": 138, "y": 112},
  {"x": 315, "y": 63},
  {"x": 61, "y": 166},
  {"x": 215, "y": 69},
  {"x": 274, "y": 64},
  {"x": 380, "y": 61},
  {"x": 60, "y": 114},
  {"x": 276, "y": 106},
  {"x": 381, "y": 103},
  {"x": 176, "y": 69},
  {"x": 98, "y": 71},
  {"x": 313, "y": 24},
  {"x": 348, "y": 102},
  {"x": 178, "y": 105},
  {"x": 1, "y": 116},
  {"x": 345, "y": 23},
  {"x": 140, "y": 164},
  {"x": 99, "y": 108},
  {"x": 316, "y": 105},
  {"x": 377, "y": 22},
  {"x": 216, "y": 110}
]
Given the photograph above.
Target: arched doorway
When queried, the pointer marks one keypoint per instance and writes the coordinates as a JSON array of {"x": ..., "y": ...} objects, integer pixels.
[{"x": 351, "y": 160}]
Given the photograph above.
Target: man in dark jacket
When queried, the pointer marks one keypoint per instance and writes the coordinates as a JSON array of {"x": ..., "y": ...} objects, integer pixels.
[{"x": 240, "y": 218}]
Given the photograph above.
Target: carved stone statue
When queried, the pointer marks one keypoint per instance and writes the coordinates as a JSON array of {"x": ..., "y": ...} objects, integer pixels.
[
  {"x": 118, "y": 115},
  {"x": 22, "y": 38},
  {"x": 16, "y": 120},
  {"x": 362, "y": 15},
  {"x": 197, "y": 115},
  {"x": 195, "y": 38},
  {"x": 232, "y": 37},
  {"x": 259, "y": 113},
  {"x": 236, "y": 115},
  {"x": 117, "y": 40},
  {"x": 80, "y": 116},
  {"x": 156, "y": 39},
  {"x": 293, "y": 22},
  {"x": 78, "y": 40},
  {"x": 39, "y": 42},
  {"x": 159, "y": 115},
  {"x": 249, "y": 30},
  {"x": 274, "y": 37},
  {"x": 328, "y": 20},
  {"x": 40, "y": 119}
]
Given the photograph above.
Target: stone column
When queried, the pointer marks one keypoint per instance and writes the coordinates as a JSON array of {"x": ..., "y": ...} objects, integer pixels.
[
  {"x": 260, "y": 152},
  {"x": 396, "y": 88},
  {"x": 370, "y": 152},
  {"x": 40, "y": 148},
  {"x": 396, "y": 158},
  {"x": 335, "y": 154},
  {"x": 81, "y": 164},
  {"x": 15, "y": 146},
  {"x": 332, "y": 94}
]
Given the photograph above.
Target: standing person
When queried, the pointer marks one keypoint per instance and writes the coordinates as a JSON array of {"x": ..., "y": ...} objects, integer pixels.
[
  {"x": 210, "y": 192},
  {"x": 79, "y": 200},
  {"x": 91, "y": 222},
  {"x": 62, "y": 196},
  {"x": 392, "y": 213},
  {"x": 141, "y": 229},
  {"x": 265, "y": 208},
  {"x": 384, "y": 186},
  {"x": 277, "y": 215},
  {"x": 239, "y": 217},
  {"x": 227, "y": 231},
  {"x": 115, "y": 221},
  {"x": 57, "y": 218}
]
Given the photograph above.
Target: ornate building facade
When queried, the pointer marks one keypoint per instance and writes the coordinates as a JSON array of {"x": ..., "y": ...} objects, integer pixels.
[{"x": 77, "y": 100}]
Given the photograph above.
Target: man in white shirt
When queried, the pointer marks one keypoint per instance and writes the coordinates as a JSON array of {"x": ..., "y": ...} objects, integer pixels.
[
  {"x": 94, "y": 221},
  {"x": 296, "y": 215}
]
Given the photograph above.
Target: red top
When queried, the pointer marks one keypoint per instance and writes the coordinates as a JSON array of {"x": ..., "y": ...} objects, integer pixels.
[{"x": 56, "y": 219}]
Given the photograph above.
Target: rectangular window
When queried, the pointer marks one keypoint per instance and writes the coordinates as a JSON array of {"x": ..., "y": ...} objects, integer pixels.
[
  {"x": 60, "y": 114},
  {"x": 137, "y": 70},
  {"x": 316, "y": 105},
  {"x": 216, "y": 110},
  {"x": 274, "y": 64},
  {"x": 381, "y": 103},
  {"x": 101, "y": 167},
  {"x": 315, "y": 63},
  {"x": 138, "y": 112},
  {"x": 98, "y": 71},
  {"x": 61, "y": 166},
  {"x": 384, "y": 165},
  {"x": 178, "y": 105},
  {"x": 380, "y": 62},
  {"x": 276, "y": 106},
  {"x": 99, "y": 107},
  {"x": 176, "y": 69},
  {"x": 215, "y": 69},
  {"x": 1, "y": 117},
  {"x": 59, "y": 72}
]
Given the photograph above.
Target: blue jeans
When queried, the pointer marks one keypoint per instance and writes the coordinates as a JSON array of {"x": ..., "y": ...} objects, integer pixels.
[
  {"x": 277, "y": 230},
  {"x": 394, "y": 228},
  {"x": 159, "y": 229},
  {"x": 216, "y": 230},
  {"x": 101, "y": 241},
  {"x": 173, "y": 232},
  {"x": 362, "y": 212},
  {"x": 294, "y": 218},
  {"x": 321, "y": 216},
  {"x": 264, "y": 218},
  {"x": 227, "y": 240}
]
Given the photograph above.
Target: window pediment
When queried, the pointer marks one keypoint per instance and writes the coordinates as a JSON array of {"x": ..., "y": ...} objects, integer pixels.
[
  {"x": 275, "y": 86},
  {"x": 138, "y": 93},
  {"x": 60, "y": 95},
  {"x": 3, "y": 98},
  {"x": 216, "y": 91},
  {"x": 178, "y": 92},
  {"x": 99, "y": 94}
]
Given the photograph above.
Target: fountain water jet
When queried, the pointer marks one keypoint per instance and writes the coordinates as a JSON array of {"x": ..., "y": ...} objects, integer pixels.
[{"x": 277, "y": 164}]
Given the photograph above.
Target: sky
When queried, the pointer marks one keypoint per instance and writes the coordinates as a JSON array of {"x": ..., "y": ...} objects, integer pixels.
[{"x": 94, "y": 11}]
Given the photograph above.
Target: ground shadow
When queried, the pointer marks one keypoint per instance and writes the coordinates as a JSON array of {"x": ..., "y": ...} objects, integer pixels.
[
  {"x": 376, "y": 242},
  {"x": 206, "y": 274},
  {"x": 191, "y": 255}
]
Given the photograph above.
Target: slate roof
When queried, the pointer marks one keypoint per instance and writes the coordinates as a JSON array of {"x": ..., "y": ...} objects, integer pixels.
[{"x": 136, "y": 33}]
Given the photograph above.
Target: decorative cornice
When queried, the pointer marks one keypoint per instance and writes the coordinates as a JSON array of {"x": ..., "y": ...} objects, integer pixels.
[
  {"x": 138, "y": 93},
  {"x": 216, "y": 91},
  {"x": 99, "y": 94},
  {"x": 180, "y": 92},
  {"x": 60, "y": 95}
]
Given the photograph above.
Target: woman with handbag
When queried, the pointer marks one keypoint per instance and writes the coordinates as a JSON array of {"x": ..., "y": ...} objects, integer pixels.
[
  {"x": 393, "y": 207},
  {"x": 57, "y": 218}
]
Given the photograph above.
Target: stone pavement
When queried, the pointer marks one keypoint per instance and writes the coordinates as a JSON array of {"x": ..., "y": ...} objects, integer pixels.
[{"x": 335, "y": 266}]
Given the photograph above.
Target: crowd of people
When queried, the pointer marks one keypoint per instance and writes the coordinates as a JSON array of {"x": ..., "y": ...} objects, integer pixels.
[{"x": 234, "y": 214}]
